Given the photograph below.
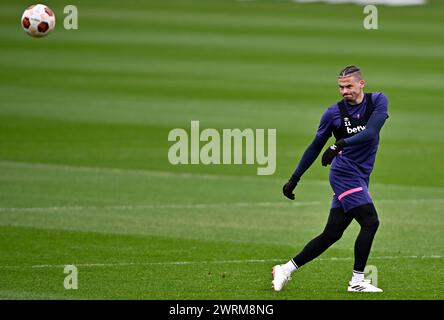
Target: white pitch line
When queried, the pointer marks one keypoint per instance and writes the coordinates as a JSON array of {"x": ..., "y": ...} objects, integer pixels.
[
  {"x": 180, "y": 263},
  {"x": 142, "y": 172},
  {"x": 282, "y": 204},
  {"x": 164, "y": 206},
  {"x": 155, "y": 173}
]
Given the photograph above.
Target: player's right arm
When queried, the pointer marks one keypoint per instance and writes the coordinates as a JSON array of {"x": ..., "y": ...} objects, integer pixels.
[{"x": 310, "y": 154}]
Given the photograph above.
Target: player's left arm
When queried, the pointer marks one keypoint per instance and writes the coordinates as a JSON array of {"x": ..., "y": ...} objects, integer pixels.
[
  {"x": 374, "y": 124},
  {"x": 372, "y": 129}
]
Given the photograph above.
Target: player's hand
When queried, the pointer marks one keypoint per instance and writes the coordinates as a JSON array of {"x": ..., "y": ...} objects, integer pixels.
[
  {"x": 289, "y": 187},
  {"x": 332, "y": 151}
]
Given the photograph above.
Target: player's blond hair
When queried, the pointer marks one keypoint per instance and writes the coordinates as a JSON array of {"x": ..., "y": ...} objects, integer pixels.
[{"x": 349, "y": 71}]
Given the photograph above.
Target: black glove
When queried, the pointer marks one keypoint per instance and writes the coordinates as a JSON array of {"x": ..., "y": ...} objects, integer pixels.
[
  {"x": 332, "y": 151},
  {"x": 289, "y": 187}
]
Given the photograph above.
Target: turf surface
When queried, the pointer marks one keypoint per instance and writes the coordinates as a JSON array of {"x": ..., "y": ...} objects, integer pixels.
[{"x": 84, "y": 174}]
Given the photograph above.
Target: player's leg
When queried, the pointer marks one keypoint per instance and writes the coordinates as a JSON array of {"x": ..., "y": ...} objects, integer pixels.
[
  {"x": 354, "y": 197},
  {"x": 367, "y": 218},
  {"x": 337, "y": 222}
]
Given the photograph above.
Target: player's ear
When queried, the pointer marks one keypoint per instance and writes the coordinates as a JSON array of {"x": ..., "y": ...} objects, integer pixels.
[{"x": 362, "y": 83}]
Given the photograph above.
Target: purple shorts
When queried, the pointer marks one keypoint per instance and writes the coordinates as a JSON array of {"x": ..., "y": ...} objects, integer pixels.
[{"x": 350, "y": 191}]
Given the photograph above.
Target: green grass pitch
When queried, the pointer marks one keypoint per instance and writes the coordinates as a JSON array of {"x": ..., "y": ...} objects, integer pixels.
[{"x": 84, "y": 174}]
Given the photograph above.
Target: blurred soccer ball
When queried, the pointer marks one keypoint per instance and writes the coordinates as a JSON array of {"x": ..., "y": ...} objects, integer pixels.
[{"x": 38, "y": 20}]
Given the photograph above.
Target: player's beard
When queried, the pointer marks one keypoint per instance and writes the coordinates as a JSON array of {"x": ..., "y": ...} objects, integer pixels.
[
  {"x": 352, "y": 98},
  {"x": 349, "y": 98}
]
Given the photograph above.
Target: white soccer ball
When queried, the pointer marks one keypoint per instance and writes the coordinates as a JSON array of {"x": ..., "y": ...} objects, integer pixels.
[{"x": 38, "y": 20}]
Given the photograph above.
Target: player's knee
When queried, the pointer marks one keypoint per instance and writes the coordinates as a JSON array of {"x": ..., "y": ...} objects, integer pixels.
[
  {"x": 332, "y": 234},
  {"x": 370, "y": 225},
  {"x": 366, "y": 216},
  {"x": 374, "y": 225}
]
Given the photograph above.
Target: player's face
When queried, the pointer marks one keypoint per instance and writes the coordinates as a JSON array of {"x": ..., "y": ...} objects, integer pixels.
[{"x": 351, "y": 88}]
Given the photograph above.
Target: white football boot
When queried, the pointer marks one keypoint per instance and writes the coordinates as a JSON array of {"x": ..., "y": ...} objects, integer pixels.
[
  {"x": 280, "y": 278},
  {"x": 362, "y": 286}
]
